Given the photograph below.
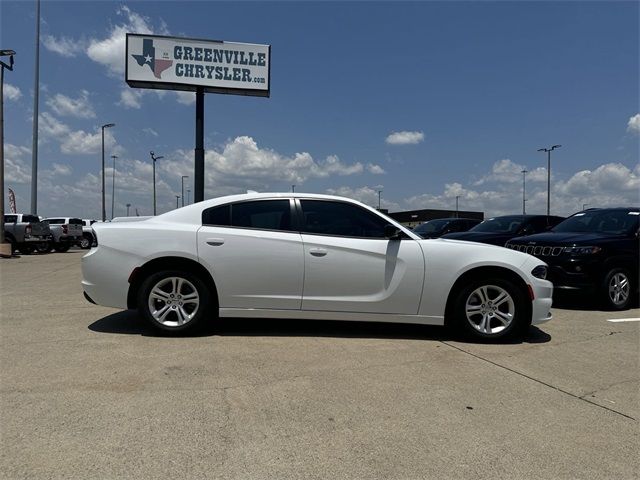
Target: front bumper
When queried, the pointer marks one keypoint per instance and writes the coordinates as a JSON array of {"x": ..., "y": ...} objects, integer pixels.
[{"x": 541, "y": 304}]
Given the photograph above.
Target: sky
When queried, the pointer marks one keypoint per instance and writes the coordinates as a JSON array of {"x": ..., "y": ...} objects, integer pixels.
[{"x": 425, "y": 101}]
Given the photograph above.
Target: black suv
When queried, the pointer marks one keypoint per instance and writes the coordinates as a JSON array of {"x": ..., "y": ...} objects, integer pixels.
[
  {"x": 438, "y": 227},
  {"x": 596, "y": 250},
  {"x": 499, "y": 230}
]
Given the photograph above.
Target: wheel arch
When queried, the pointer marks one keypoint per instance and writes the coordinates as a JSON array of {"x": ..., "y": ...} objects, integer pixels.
[
  {"x": 169, "y": 263},
  {"x": 483, "y": 272}
]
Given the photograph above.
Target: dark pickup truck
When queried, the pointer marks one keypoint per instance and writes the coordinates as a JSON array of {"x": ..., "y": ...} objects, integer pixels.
[{"x": 595, "y": 251}]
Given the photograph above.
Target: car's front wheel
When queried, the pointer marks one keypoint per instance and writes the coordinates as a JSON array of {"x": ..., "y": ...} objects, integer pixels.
[
  {"x": 491, "y": 308},
  {"x": 616, "y": 289},
  {"x": 61, "y": 247},
  {"x": 173, "y": 301}
]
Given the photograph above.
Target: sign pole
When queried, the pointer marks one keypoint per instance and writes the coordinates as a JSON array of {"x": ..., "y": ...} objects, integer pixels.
[{"x": 198, "y": 186}]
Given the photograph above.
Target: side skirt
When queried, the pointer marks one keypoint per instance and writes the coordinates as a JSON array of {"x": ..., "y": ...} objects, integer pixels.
[{"x": 318, "y": 315}]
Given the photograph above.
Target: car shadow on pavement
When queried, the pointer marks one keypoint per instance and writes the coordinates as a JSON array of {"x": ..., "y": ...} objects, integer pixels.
[
  {"x": 580, "y": 301},
  {"x": 129, "y": 323}
]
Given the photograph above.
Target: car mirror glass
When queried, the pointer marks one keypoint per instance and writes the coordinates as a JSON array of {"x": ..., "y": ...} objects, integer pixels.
[{"x": 392, "y": 232}]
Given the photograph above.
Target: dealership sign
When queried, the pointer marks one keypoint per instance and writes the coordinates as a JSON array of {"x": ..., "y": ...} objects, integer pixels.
[{"x": 174, "y": 63}]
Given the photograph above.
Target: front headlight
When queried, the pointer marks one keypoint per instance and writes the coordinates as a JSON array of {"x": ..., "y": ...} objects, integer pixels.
[
  {"x": 540, "y": 272},
  {"x": 582, "y": 250}
]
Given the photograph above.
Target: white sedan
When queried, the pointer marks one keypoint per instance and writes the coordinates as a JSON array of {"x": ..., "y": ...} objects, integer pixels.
[{"x": 306, "y": 256}]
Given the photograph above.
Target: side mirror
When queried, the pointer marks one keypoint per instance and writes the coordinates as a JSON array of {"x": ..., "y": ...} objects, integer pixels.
[{"x": 392, "y": 232}]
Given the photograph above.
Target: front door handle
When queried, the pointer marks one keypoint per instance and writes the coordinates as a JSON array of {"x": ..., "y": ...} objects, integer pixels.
[
  {"x": 215, "y": 242},
  {"x": 318, "y": 252}
]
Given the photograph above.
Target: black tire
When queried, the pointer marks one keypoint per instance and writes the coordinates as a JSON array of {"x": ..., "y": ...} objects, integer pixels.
[
  {"x": 61, "y": 247},
  {"x": 171, "y": 324},
  {"x": 617, "y": 290},
  {"x": 86, "y": 241},
  {"x": 26, "y": 249},
  {"x": 514, "y": 310},
  {"x": 43, "y": 247}
]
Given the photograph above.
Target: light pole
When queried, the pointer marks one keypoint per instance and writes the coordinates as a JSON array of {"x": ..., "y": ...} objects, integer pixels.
[
  {"x": 457, "y": 197},
  {"x": 104, "y": 210},
  {"x": 584, "y": 206},
  {"x": 154, "y": 158},
  {"x": 549, "y": 150},
  {"x": 113, "y": 188},
  {"x": 128, "y": 206},
  {"x": 183, "y": 177},
  {"x": 34, "y": 139},
  {"x": 188, "y": 196},
  {"x": 293, "y": 189},
  {"x": 5, "y": 250},
  {"x": 177, "y": 198},
  {"x": 524, "y": 188},
  {"x": 379, "y": 195}
]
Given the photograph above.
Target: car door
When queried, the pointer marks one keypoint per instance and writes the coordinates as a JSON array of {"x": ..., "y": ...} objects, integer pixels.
[
  {"x": 350, "y": 266},
  {"x": 254, "y": 256}
]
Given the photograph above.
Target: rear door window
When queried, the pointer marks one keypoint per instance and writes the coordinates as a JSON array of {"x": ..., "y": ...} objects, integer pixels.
[{"x": 260, "y": 214}]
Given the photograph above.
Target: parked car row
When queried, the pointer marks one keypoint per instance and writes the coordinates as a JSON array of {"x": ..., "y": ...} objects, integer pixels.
[
  {"x": 29, "y": 233},
  {"x": 596, "y": 251}
]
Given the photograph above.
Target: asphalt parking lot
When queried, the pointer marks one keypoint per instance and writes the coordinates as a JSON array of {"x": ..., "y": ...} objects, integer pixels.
[{"x": 91, "y": 392}]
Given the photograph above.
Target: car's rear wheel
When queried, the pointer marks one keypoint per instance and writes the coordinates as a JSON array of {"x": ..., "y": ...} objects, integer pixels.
[
  {"x": 617, "y": 289},
  {"x": 61, "y": 247},
  {"x": 43, "y": 247},
  {"x": 26, "y": 249},
  {"x": 491, "y": 308},
  {"x": 173, "y": 301},
  {"x": 86, "y": 241}
]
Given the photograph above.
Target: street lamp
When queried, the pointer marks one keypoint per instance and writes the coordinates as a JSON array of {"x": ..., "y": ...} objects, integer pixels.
[
  {"x": 113, "y": 188},
  {"x": 177, "y": 198},
  {"x": 154, "y": 158},
  {"x": 585, "y": 205},
  {"x": 128, "y": 206},
  {"x": 5, "y": 250},
  {"x": 549, "y": 150},
  {"x": 293, "y": 189},
  {"x": 104, "y": 211},
  {"x": 457, "y": 197},
  {"x": 379, "y": 194},
  {"x": 524, "y": 187},
  {"x": 183, "y": 177},
  {"x": 188, "y": 196}
]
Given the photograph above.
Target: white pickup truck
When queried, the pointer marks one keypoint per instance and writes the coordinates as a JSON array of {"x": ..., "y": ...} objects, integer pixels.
[{"x": 66, "y": 231}]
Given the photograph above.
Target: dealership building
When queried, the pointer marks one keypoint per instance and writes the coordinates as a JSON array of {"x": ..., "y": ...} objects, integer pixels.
[{"x": 411, "y": 218}]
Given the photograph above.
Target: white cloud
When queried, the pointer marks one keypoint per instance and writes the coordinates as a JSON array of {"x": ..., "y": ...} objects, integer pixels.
[
  {"x": 76, "y": 107},
  {"x": 633, "y": 125},
  {"x": 611, "y": 184},
  {"x": 80, "y": 142},
  {"x": 50, "y": 127},
  {"x": 150, "y": 131},
  {"x": 404, "y": 138},
  {"x": 12, "y": 92},
  {"x": 375, "y": 169},
  {"x": 506, "y": 171},
  {"x": 67, "y": 47},
  {"x": 186, "y": 98},
  {"x": 110, "y": 51},
  {"x": 16, "y": 169},
  {"x": 366, "y": 195},
  {"x": 59, "y": 169},
  {"x": 130, "y": 98}
]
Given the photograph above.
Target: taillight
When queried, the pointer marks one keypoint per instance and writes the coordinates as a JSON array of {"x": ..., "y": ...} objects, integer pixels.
[
  {"x": 27, "y": 230},
  {"x": 65, "y": 229}
]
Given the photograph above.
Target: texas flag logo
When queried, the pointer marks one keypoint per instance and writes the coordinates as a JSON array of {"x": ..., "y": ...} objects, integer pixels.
[{"x": 148, "y": 57}]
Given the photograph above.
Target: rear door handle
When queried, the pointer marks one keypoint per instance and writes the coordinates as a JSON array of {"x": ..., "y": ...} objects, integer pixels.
[
  {"x": 215, "y": 242},
  {"x": 318, "y": 252}
]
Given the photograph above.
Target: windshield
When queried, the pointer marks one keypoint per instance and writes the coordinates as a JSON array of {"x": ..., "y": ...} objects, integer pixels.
[
  {"x": 431, "y": 226},
  {"x": 600, "y": 221},
  {"x": 509, "y": 224}
]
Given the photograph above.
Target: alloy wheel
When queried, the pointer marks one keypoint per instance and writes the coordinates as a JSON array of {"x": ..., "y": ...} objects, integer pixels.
[
  {"x": 619, "y": 289},
  {"x": 490, "y": 309},
  {"x": 173, "y": 301}
]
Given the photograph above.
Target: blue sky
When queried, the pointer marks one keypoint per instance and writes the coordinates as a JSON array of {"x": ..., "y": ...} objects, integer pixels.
[{"x": 471, "y": 89}]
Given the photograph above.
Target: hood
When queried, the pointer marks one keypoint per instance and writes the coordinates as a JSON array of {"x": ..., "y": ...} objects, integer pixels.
[
  {"x": 482, "y": 237},
  {"x": 562, "y": 238}
]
